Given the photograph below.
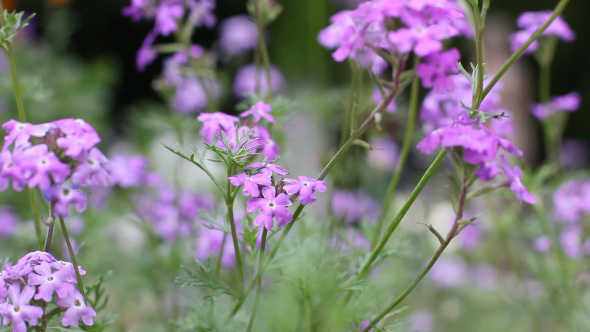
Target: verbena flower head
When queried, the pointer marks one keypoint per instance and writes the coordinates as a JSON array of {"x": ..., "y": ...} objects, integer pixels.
[
  {"x": 571, "y": 201},
  {"x": 433, "y": 72},
  {"x": 258, "y": 111},
  {"x": 424, "y": 25},
  {"x": 249, "y": 81},
  {"x": 9, "y": 222},
  {"x": 565, "y": 103},
  {"x": 237, "y": 34},
  {"x": 354, "y": 206},
  {"x": 39, "y": 276},
  {"x": 58, "y": 157},
  {"x": 305, "y": 187},
  {"x": 273, "y": 206},
  {"x": 530, "y": 22},
  {"x": 128, "y": 171}
]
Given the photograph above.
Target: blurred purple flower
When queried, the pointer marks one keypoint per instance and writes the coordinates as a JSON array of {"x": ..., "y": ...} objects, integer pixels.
[
  {"x": 246, "y": 82},
  {"x": 529, "y": 22},
  {"x": 355, "y": 206},
  {"x": 421, "y": 321},
  {"x": 433, "y": 72},
  {"x": 448, "y": 272},
  {"x": 542, "y": 243},
  {"x": 9, "y": 221},
  {"x": 384, "y": 154},
  {"x": 572, "y": 200},
  {"x": 128, "y": 170},
  {"x": 568, "y": 103},
  {"x": 574, "y": 153},
  {"x": 378, "y": 98},
  {"x": 237, "y": 34}
]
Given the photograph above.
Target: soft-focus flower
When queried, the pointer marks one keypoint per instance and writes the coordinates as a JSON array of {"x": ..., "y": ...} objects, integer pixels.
[
  {"x": 258, "y": 111},
  {"x": 9, "y": 221},
  {"x": 354, "y": 206},
  {"x": 514, "y": 175},
  {"x": 433, "y": 72},
  {"x": 378, "y": 98},
  {"x": 272, "y": 206},
  {"x": 542, "y": 244},
  {"x": 530, "y": 22},
  {"x": 215, "y": 123},
  {"x": 574, "y": 153},
  {"x": 448, "y": 272},
  {"x": 18, "y": 310},
  {"x": 421, "y": 321},
  {"x": 572, "y": 200},
  {"x": 237, "y": 34},
  {"x": 128, "y": 171},
  {"x": 63, "y": 196},
  {"x": 384, "y": 154},
  {"x": 567, "y": 103},
  {"x": 252, "y": 183},
  {"x": 248, "y": 81}
]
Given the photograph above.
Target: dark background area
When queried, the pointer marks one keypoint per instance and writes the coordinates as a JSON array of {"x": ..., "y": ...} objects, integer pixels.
[{"x": 100, "y": 30}]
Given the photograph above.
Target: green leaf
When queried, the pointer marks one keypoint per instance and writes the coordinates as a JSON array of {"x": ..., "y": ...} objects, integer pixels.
[{"x": 204, "y": 277}]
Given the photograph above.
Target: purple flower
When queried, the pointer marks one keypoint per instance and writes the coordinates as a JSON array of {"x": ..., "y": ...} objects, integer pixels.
[
  {"x": 209, "y": 241},
  {"x": 271, "y": 206},
  {"x": 18, "y": 311},
  {"x": 530, "y": 22},
  {"x": 62, "y": 196},
  {"x": 305, "y": 187},
  {"x": 251, "y": 183},
  {"x": 421, "y": 321},
  {"x": 146, "y": 54},
  {"x": 92, "y": 171},
  {"x": 275, "y": 168},
  {"x": 354, "y": 206},
  {"x": 140, "y": 9},
  {"x": 169, "y": 11},
  {"x": 574, "y": 153},
  {"x": 569, "y": 103},
  {"x": 514, "y": 175},
  {"x": 448, "y": 272},
  {"x": 42, "y": 164},
  {"x": 76, "y": 308},
  {"x": 258, "y": 111},
  {"x": 128, "y": 171},
  {"x": 193, "y": 96},
  {"x": 542, "y": 244},
  {"x": 49, "y": 281},
  {"x": 572, "y": 200},
  {"x": 250, "y": 81},
  {"x": 237, "y": 34},
  {"x": 8, "y": 222},
  {"x": 433, "y": 72},
  {"x": 215, "y": 123}
]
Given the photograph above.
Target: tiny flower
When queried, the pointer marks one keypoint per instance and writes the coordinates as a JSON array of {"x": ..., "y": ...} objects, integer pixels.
[
  {"x": 305, "y": 187},
  {"x": 542, "y": 244},
  {"x": 128, "y": 171},
  {"x": 251, "y": 182},
  {"x": 9, "y": 222},
  {"x": 568, "y": 103},
  {"x": 433, "y": 72},
  {"x": 76, "y": 308},
  {"x": 215, "y": 123},
  {"x": 275, "y": 168},
  {"x": 50, "y": 281},
  {"x": 249, "y": 80},
  {"x": 258, "y": 111},
  {"x": 514, "y": 175},
  {"x": 271, "y": 206},
  {"x": 92, "y": 171},
  {"x": 531, "y": 21},
  {"x": 62, "y": 196},
  {"x": 18, "y": 311}
]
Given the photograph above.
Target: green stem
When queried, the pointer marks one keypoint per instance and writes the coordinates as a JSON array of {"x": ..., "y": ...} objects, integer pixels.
[
  {"x": 49, "y": 236},
  {"x": 450, "y": 236},
  {"x": 73, "y": 256},
  {"x": 263, "y": 50},
  {"x": 512, "y": 59},
  {"x": 22, "y": 116},
  {"x": 477, "y": 96},
  {"x": 218, "y": 264},
  {"x": 406, "y": 146},
  {"x": 401, "y": 214},
  {"x": 258, "y": 281},
  {"x": 229, "y": 201}
]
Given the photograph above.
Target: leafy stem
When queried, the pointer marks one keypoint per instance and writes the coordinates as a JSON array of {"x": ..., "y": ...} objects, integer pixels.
[
  {"x": 258, "y": 281},
  {"x": 263, "y": 49},
  {"x": 450, "y": 236},
  {"x": 229, "y": 201}
]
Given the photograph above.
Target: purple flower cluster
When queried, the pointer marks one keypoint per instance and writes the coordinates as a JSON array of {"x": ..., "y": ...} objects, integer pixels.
[
  {"x": 58, "y": 157},
  {"x": 252, "y": 81},
  {"x": 530, "y": 22},
  {"x": 172, "y": 212},
  {"x": 38, "y": 276},
  {"x": 237, "y": 35},
  {"x": 9, "y": 222},
  {"x": 191, "y": 93},
  {"x": 354, "y": 206},
  {"x": 424, "y": 25},
  {"x": 568, "y": 103},
  {"x": 234, "y": 129},
  {"x": 270, "y": 191},
  {"x": 166, "y": 14}
]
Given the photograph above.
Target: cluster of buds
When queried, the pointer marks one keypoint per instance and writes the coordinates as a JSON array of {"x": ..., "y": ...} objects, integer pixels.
[
  {"x": 27, "y": 293},
  {"x": 59, "y": 157}
]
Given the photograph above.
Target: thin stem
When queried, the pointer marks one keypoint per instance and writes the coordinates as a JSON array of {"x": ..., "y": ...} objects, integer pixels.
[
  {"x": 512, "y": 59},
  {"x": 22, "y": 116},
  {"x": 73, "y": 256},
  {"x": 229, "y": 201},
  {"x": 406, "y": 146},
  {"x": 258, "y": 281},
  {"x": 450, "y": 236},
  {"x": 263, "y": 50},
  {"x": 218, "y": 264},
  {"x": 401, "y": 214},
  {"x": 477, "y": 96},
  {"x": 49, "y": 236}
]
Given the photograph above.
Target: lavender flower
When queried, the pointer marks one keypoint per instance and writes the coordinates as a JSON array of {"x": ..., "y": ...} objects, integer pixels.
[
  {"x": 354, "y": 206},
  {"x": 18, "y": 311},
  {"x": 305, "y": 187},
  {"x": 237, "y": 34},
  {"x": 250, "y": 81},
  {"x": 9, "y": 222},
  {"x": 572, "y": 200},
  {"x": 529, "y": 22},
  {"x": 76, "y": 309},
  {"x": 128, "y": 171},
  {"x": 569, "y": 103},
  {"x": 384, "y": 154},
  {"x": 258, "y": 111},
  {"x": 433, "y": 72},
  {"x": 272, "y": 206}
]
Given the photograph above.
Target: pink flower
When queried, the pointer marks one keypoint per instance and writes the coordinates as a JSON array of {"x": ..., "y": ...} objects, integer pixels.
[
  {"x": 62, "y": 196},
  {"x": 531, "y": 22},
  {"x": 305, "y": 187},
  {"x": 272, "y": 206},
  {"x": 215, "y": 123},
  {"x": 514, "y": 175},
  {"x": 569, "y": 103},
  {"x": 258, "y": 111},
  {"x": 251, "y": 183},
  {"x": 76, "y": 308},
  {"x": 433, "y": 72}
]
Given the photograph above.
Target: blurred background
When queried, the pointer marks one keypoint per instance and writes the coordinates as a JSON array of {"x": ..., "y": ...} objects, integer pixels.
[{"x": 93, "y": 31}]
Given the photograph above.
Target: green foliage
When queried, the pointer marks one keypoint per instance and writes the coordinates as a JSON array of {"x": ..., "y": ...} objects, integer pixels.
[
  {"x": 205, "y": 277},
  {"x": 12, "y": 23}
]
